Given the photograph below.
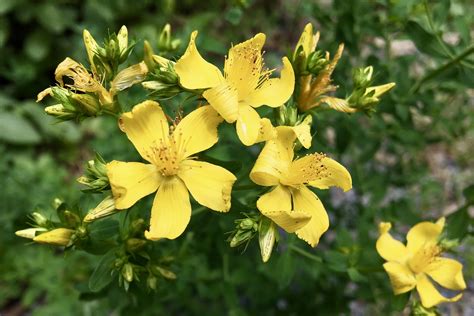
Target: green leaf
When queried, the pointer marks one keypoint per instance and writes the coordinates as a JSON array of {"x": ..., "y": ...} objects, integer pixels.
[
  {"x": 469, "y": 194},
  {"x": 425, "y": 41},
  {"x": 103, "y": 273},
  {"x": 400, "y": 301},
  {"x": 17, "y": 130},
  {"x": 104, "y": 229},
  {"x": 356, "y": 276},
  {"x": 458, "y": 224}
]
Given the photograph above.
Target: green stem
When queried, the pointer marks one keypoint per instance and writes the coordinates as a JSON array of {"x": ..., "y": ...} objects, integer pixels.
[
  {"x": 442, "y": 68},
  {"x": 306, "y": 254}
]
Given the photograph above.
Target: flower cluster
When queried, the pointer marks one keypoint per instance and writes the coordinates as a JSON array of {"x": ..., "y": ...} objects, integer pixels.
[{"x": 171, "y": 142}]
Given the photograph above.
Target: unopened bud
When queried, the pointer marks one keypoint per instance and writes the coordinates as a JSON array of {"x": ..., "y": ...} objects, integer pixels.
[
  {"x": 151, "y": 282},
  {"x": 105, "y": 208},
  {"x": 127, "y": 272},
  {"x": 29, "y": 233},
  {"x": 137, "y": 227},
  {"x": 267, "y": 236},
  {"x": 88, "y": 105},
  {"x": 72, "y": 219},
  {"x": 135, "y": 244},
  {"x": 167, "y": 274},
  {"x": 39, "y": 219},
  {"x": 56, "y": 237}
]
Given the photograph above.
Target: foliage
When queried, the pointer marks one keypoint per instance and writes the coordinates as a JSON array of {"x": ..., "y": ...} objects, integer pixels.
[{"x": 409, "y": 161}]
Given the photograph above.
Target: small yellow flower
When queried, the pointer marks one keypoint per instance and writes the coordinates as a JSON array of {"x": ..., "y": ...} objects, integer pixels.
[
  {"x": 419, "y": 263},
  {"x": 245, "y": 84},
  {"x": 171, "y": 170},
  {"x": 290, "y": 204}
]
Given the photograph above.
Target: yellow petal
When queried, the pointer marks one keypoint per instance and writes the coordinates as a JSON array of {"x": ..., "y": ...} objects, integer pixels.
[
  {"x": 248, "y": 125},
  {"x": 55, "y": 237},
  {"x": 308, "y": 40},
  {"x": 130, "y": 181},
  {"x": 401, "y": 278},
  {"x": 243, "y": 66},
  {"x": 129, "y": 77},
  {"x": 267, "y": 131},
  {"x": 43, "y": 94},
  {"x": 193, "y": 71},
  {"x": 307, "y": 202},
  {"x": 423, "y": 234},
  {"x": 210, "y": 185},
  {"x": 447, "y": 272},
  {"x": 319, "y": 171},
  {"x": 276, "y": 205},
  {"x": 303, "y": 131},
  {"x": 429, "y": 295},
  {"x": 171, "y": 210},
  {"x": 197, "y": 131},
  {"x": 146, "y": 127},
  {"x": 275, "y": 91},
  {"x": 223, "y": 98},
  {"x": 380, "y": 90},
  {"x": 335, "y": 175},
  {"x": 388, "y": 247},
  {"x": 274, "y": 159},
  {"x": 91, "y": 48}
]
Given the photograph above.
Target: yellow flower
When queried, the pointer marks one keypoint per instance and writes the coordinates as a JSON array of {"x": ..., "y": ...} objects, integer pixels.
[
  {"x": 244, "y": 86},
  {"x": 419, "y": 262},
  {"x": 171, "y": 170},
  {"x": 290, "y": 204}
]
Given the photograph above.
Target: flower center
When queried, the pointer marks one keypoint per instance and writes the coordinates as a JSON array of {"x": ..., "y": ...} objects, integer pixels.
[
  {"x": 423, "y": 257},
  {"x": 306, "y": 169},
  {"x": 166, "y": 157}
]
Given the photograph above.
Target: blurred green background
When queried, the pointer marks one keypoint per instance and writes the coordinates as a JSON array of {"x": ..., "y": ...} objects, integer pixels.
[{"x": 412, "y": 160}]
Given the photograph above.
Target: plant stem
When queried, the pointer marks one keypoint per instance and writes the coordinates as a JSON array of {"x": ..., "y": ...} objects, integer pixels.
[
  {"x": 442, "y": 68},
  {"x": 306, "y": 254}
]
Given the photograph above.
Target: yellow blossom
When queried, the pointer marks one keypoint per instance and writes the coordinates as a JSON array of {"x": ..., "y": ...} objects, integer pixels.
[
  {"x": 245, "y": 85},
  {"x": 290, "y": 203},
  {"x": 171, "y": 170},
  {"x": 419, "y": 264}
]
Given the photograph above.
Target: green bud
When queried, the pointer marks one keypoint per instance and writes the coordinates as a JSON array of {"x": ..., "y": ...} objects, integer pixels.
[
  {"x": 81, "y": 232},
  {"x": 287, "y": 115},
  {"x": 448, "y": 244},
  {"x": 87, "y": 104},
  {"x": 72, "y": 219},
  {"x": 39, "y": 219},
  {"x": 362, "y": 77},
  {"x": 241, "y": 237},
  {"x": 127, "y": 272},
  {"x": 165, "y": 41},
  {"x": 419, "y": 310},
  {"x": 151, "y": 282},
  {"x": 267, "y": 235},
  {"x": 246, "y": 224},
  {"x": 95, "y": 177},
  {"x": 137, "y": 227},
  {"x": 134, "y": 244},
  {"x": 167, "y": 274},
  {"x": 316, "y": 62}
]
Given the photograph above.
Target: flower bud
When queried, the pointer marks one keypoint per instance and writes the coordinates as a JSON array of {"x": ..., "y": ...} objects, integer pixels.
[
  {"x": 95, "y": 177},
  {"x": 137, "y": 227},
  {"x": 167, "y": 274},
  {"x": 29, "y": 233},
  {"x": 267, "y": 235},
  {"x": 135, "y": 244},
  {"x": 87, "y": 104},
  {"x": 165, "y": 41},
  {"x": 127, "y": 272},
  {"x": 151, "y": 282},
  {"x": 39, "y": 219},
  {"x": 55, "y": 237},
  {"x": 105, "y": 208},
  {"x": 72, "y": 219}
]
